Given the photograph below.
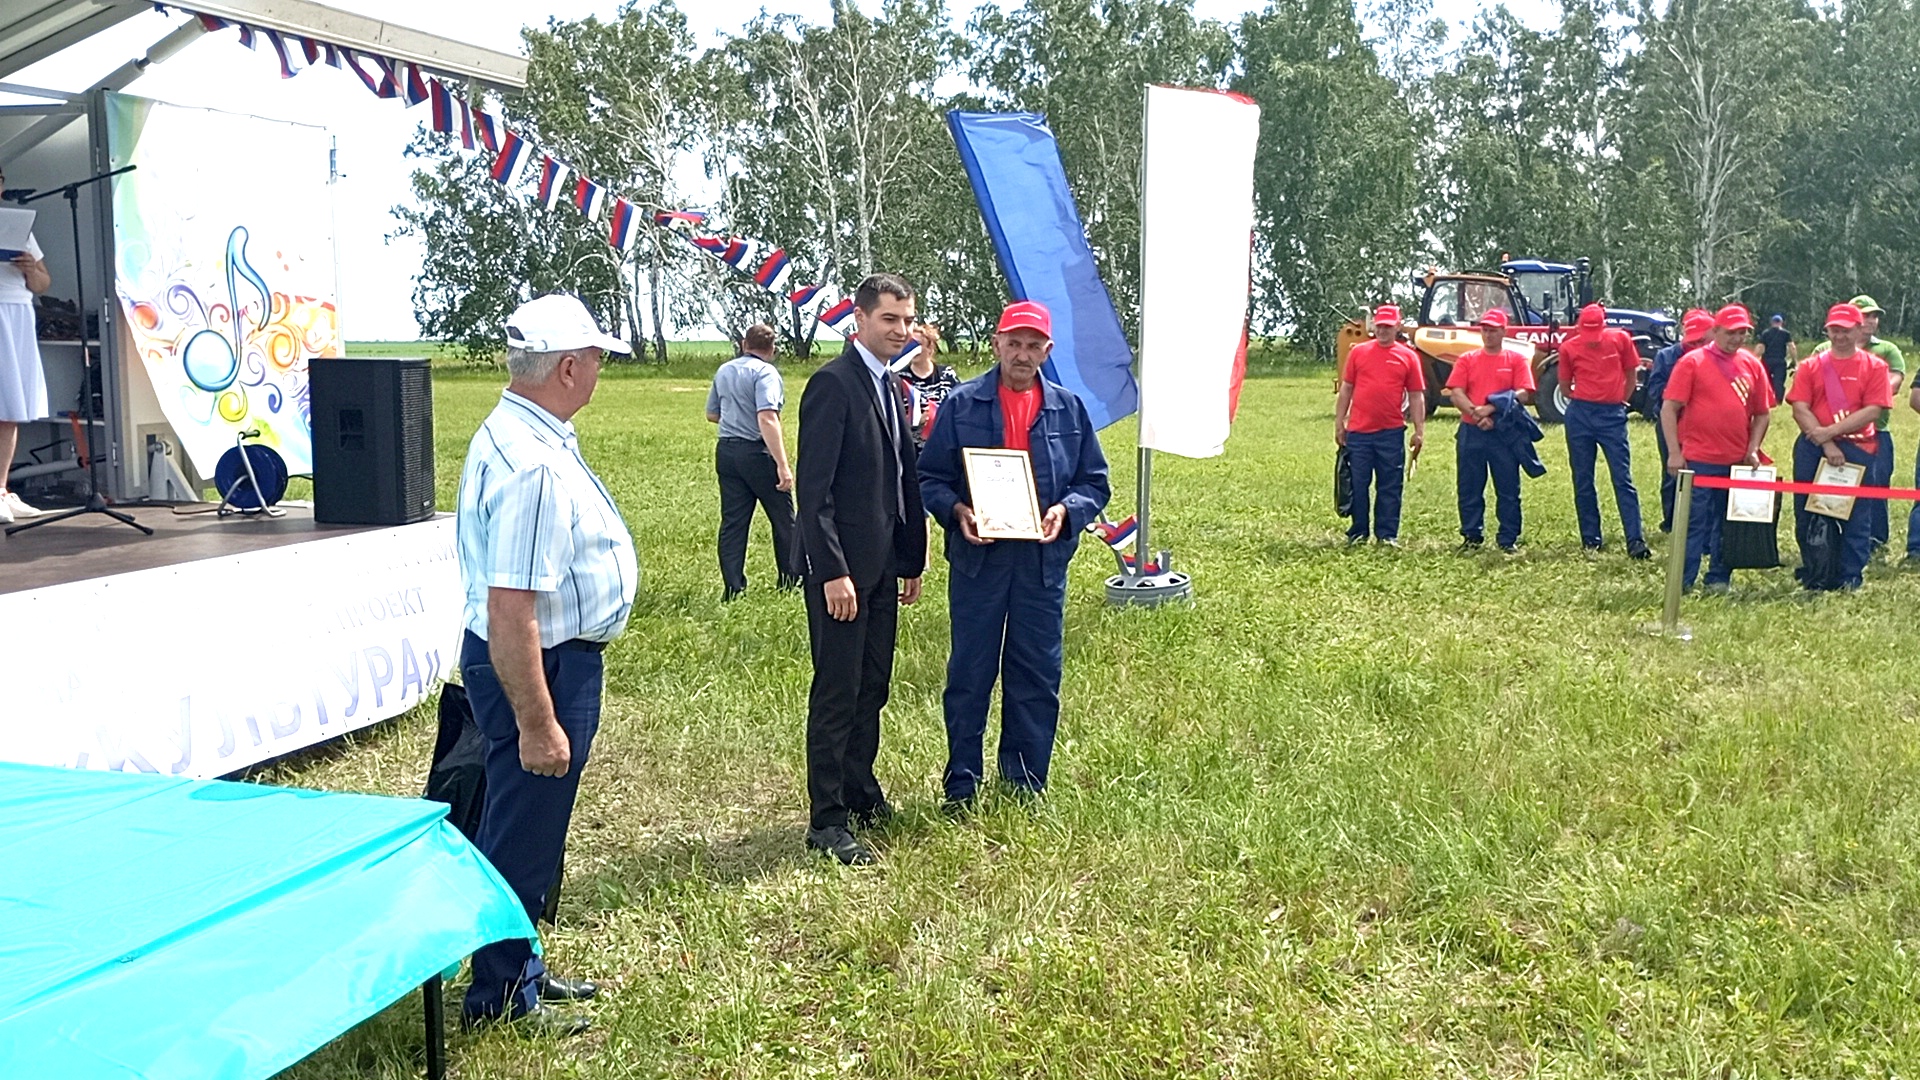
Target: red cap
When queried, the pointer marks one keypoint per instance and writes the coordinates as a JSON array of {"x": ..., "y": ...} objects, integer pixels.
[
  {"x": 1733, "y": 317},
  {"x": 1845, "y": 316},
  {"x": 1593, "y": 317},
  {"x": 1386, "y": 313},
  {"x": 1493, "y": 317},
  {"x": 1695, "y": 325},
  {"x": 1026, "y": 315}
]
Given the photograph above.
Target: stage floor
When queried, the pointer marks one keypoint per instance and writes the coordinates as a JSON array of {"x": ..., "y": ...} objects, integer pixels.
[{"x": 95, "y": 546}]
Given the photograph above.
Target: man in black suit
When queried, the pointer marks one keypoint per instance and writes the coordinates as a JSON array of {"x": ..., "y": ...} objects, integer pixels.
[{"x": 864, "y": 537}]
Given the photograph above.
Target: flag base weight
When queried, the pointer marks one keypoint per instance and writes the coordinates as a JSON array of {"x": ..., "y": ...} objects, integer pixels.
[{"x": 1149, "y": 590}]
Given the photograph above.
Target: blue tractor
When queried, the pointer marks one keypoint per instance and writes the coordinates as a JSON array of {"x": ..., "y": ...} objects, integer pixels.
[{"x": 1552, "y": 294}]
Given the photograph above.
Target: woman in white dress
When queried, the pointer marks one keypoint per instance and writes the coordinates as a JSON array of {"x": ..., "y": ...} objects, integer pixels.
[{"x": 23, "y": 385}]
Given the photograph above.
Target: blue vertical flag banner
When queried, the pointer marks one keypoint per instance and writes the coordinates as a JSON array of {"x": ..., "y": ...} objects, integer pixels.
[{"x": 1014, "y": 166}]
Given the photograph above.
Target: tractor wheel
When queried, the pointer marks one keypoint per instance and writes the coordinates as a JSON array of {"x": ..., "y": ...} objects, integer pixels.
[
  {"x": 1550, "y": 399},
  {"x": 1434, "y": 401}
]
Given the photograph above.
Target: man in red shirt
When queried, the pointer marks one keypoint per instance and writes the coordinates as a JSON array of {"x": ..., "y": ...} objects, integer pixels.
[
  {"x": 1837, "y": 395},
  {"x": 1714, "y": 413},
  {"x": 1381, "y": 386},
  {"x": 1477, "y": 380},
  {"x": 1599, "y": 365}
]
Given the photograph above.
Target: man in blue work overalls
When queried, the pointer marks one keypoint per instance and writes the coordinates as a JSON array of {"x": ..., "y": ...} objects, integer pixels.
[{"x": 1007, "y": 598}]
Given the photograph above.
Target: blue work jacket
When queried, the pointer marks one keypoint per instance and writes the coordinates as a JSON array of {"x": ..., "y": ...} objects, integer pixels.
[{"x": 1068, "y": 467}]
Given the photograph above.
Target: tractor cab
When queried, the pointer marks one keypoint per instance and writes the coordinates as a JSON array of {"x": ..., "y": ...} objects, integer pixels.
[{"x": 1552, "y": 293}]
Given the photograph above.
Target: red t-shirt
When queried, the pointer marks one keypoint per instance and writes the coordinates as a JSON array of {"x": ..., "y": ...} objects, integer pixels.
[
  {"x": 1716, "y": 415},
  {"x": 1483, "y": 374},
  {"x": 1017, "y": 411},
  {"x": 1863, "y": 382},
  {"x": 1599, "y": 366},
  {"x": 1381, "y": 376}
]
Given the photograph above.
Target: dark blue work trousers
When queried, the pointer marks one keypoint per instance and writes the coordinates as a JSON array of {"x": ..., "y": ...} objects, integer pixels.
[
  {"x": 1008, "y": 624},
  {"x": 1377, "y": 456},
  {"x": 1592, "y": 426},
  {"x": 1880, "y": 474},
  {"x": 1669, "y": 483},
  {"x": 1856, "y": 536},
  {"x": 1482, "y": 454},
  {"x": 523, "y": 824},
  {"x": 1913, "y": 516},
  {"x": 1706, "y": 517}
]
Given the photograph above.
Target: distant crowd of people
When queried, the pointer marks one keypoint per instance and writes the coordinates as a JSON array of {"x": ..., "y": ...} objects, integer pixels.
[{"x": 1712, "y": 400}]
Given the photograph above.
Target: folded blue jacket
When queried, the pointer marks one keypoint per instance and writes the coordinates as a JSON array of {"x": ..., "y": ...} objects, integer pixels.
[{"x": 1516, "y": 429}]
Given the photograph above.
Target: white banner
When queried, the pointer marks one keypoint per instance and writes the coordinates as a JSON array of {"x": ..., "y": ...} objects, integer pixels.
[
  {"x": 1196, "y": 236},
  {"x": 206, "y": 667}
]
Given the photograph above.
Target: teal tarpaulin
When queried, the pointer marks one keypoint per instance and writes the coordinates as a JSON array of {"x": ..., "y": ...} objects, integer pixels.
[{"x": 157, "y": 927}]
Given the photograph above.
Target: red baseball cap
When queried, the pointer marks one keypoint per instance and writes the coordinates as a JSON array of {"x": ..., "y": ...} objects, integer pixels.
[
  {"x": 1494, "y": 317},
  {"x": 1593, "y": 317},
  {"x": 1733, "y": 317},
  {"x": 1026, "y": 315},
  {"x": 1695, "y": 325},
  {"x": 1845, "y": 316},
  {"x": 1386, "y": 313}
]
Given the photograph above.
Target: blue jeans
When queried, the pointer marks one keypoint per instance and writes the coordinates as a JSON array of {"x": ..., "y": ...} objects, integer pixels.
[
  {"x": 1880, "y": 474},
  {"x": 1706, "y": 514},
  {"x": 1856, "y": 537},
  {"x": 1595, "y": 427},
  {"x": 1008, "y": 624},
  {"x": 1670, "y": 485},
  {"x": 1481, "y": 454},
  {"x": 1382, "y": 456},
  {"x": 524, "y": 819},
  {"x": 1913, "y": 516}
]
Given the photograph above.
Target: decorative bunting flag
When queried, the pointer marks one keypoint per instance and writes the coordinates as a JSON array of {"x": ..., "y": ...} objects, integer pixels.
[
  {"x": 624, "y": 219},
  {"x": 442, "y": 99},
  {"x": 292, "y": 58},
  {"x": 840, "y": 315},
  {"x": 413, "y": 86},
  {"x": 714, "y": 245},
  {"x": 667, "y": 219},
  {"x": 513, "y": 153},
  {"x": 804, "y": 295},
  {"x": 737, "y": 252},
  {"x": 588, "y": 197},
  {"x": 487, "y": 128},
  {"x": 772, "y": 275},
  {"x": 466, "y": 122},
  {"x": 379, "y": 80},
  {"x": 553, "y": 178}
]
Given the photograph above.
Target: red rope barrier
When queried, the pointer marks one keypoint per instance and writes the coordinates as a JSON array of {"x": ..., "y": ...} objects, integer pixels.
[{"x": 1726, "y": 483}]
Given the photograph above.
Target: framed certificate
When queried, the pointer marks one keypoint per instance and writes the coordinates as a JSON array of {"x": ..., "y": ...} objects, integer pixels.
[
  {"x": 1748, "y": 505},
  {"x": 1835, "y": 506},
  {"x": 1006, "y": 506}
]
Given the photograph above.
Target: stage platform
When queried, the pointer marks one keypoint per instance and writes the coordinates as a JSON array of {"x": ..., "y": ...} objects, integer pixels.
[{"x": 217, "y": 643}]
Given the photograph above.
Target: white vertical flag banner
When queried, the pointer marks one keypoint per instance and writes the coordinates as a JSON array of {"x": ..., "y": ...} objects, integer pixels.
[{"x": 1196, "y": 231}]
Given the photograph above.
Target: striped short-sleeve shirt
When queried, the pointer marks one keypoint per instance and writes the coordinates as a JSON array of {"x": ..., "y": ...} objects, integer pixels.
[{"x": 534, "y": 517}]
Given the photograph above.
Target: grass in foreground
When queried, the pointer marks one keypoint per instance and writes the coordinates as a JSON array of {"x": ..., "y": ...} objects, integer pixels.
[{"x": 1368, "y": 813}]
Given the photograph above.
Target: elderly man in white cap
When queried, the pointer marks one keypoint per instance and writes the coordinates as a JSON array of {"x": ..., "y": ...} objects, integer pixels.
[{"x": 549, "y": 573}]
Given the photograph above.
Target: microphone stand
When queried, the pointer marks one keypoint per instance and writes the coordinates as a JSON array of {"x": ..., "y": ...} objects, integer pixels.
[{"x": 96, "y": 502}]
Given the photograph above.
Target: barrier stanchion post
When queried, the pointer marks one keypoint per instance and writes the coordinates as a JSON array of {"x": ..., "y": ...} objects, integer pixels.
[{"x": 1669, "y": 625}]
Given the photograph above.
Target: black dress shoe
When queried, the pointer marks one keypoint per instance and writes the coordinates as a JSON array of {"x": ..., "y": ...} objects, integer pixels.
[
  {"x": 836, "y": 841},
  {"x": 874, "y": 817},
  {"x": 1638, "y": 549},
  {"x": 555, "y": 988},
  {"x": 538, "y": 1021}
]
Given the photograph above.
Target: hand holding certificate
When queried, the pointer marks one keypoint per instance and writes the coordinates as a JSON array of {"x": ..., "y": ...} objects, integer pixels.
[{"x": 1006, "y": 505}]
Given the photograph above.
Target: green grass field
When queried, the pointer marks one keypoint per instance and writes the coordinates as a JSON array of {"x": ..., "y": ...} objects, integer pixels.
[{"x": 1352, "y": 812}]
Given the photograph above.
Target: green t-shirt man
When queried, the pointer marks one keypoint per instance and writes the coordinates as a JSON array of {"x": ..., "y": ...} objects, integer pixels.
[{"x": 1885, "y": 350}]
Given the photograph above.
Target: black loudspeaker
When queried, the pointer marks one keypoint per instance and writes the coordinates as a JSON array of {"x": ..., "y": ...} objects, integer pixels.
[{"x": 372, "y": 441}]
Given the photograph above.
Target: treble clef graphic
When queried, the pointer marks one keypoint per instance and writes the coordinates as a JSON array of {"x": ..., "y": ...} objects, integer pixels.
[{"x": 212, "y": 362}]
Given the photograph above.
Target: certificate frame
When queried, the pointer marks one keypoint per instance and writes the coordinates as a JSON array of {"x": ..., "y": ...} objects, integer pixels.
[
  {"x": 1005, "y": 502},
  {"x": 1750, "y": 505},
  {"x": 1845, "y": 475}
]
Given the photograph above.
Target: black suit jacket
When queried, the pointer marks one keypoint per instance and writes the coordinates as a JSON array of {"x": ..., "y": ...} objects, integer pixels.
[{"x": 850, "y": 475}]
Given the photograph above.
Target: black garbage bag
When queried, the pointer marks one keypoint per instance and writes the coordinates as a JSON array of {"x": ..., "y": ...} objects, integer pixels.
[
  {"x": 1819, "y": 537},
  {"x": 1343, "y": 482},
  {"x": 1751, "y": 545},
  {"x": 459, "y": 777}
]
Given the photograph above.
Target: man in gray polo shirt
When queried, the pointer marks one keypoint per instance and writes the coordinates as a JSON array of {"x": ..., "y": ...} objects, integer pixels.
[{"x": 751, "y": 459}]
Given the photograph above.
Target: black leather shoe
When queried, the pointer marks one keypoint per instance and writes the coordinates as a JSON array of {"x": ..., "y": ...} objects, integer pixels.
[
  {"x": 836, "y": 841},
  {"x": 874, "y": 817},
  {"x": 555, "y": 988},
  {"x": 1638, "y": 549},
  {"x": 538, "y": 1021}
]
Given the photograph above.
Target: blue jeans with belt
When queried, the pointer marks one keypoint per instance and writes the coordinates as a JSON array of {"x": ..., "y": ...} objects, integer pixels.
[
  {"x": 1706, "y": 517},
  {"x": 1382, "y": 456},
  {"x": 1856, "y": 533},
  {"x": 1008, "y": 625},
  {"x": 1481, "y": 454},
  {"x": 523, "y": 822},
  {"x": 1592, "y": 426}
]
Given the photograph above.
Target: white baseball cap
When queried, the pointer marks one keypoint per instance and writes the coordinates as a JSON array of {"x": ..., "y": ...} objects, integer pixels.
[{"x": 557, "y": 322}]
